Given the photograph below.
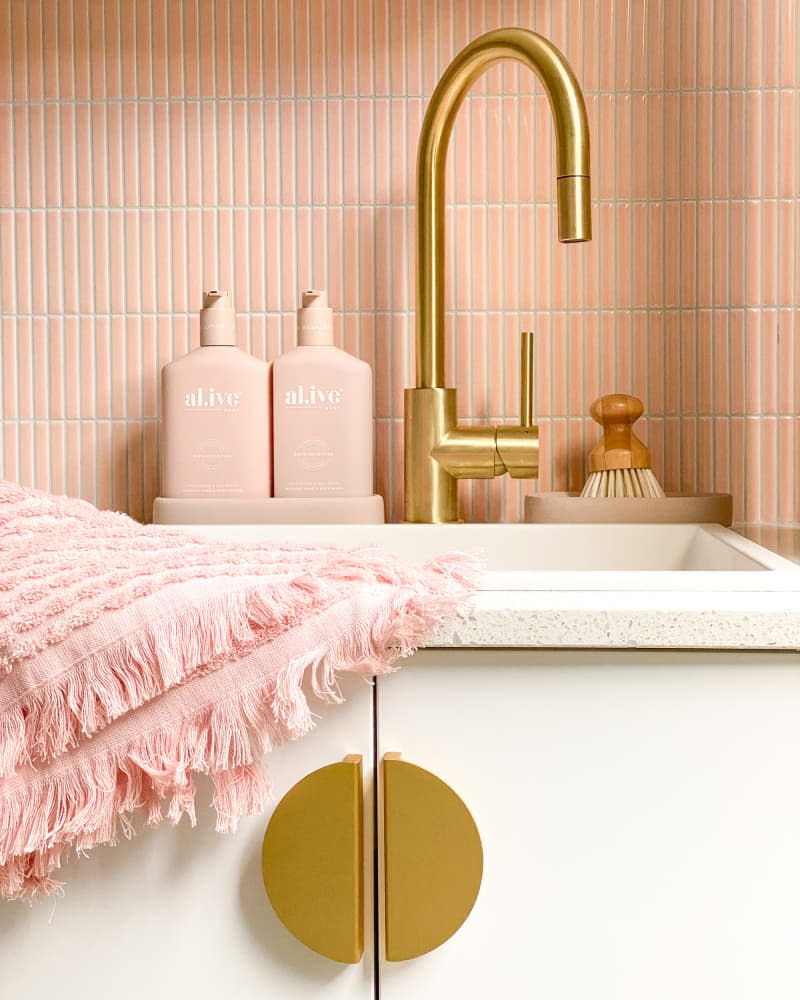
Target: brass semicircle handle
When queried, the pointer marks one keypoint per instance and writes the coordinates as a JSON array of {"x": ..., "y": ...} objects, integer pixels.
[
  {"x": 433, "y": 860},
  {"x": 312, "y": 860}
]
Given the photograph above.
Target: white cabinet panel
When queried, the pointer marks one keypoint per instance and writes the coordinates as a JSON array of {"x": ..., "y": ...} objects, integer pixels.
[
  {"x": 178, "y": 912},
  {"x": 640, "y": 820}
]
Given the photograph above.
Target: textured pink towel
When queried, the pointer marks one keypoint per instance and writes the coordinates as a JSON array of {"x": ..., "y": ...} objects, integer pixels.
[{"x": 132, "y": 656}]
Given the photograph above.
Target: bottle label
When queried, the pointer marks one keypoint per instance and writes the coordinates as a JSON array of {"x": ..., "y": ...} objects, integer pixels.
[
  {"x": 314, "y": 396},
  {"x": 211, "y": 399}
]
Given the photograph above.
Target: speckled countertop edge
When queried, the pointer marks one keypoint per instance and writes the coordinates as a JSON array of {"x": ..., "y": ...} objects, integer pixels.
[{"x": 637, "y": 620}]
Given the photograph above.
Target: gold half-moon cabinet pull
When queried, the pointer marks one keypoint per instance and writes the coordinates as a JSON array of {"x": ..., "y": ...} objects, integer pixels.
[
  {"x": 312, "y": 860},
  {"x": 433, "y": 860}
]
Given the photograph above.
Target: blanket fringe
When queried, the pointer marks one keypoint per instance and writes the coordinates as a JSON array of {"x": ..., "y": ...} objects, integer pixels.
[
  {"x": 87, "y": 798},
  {"x": 55, "y": 717}
]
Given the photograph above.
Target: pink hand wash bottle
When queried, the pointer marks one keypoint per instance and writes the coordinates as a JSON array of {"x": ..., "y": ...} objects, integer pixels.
[
  {"x": 215, "y": 422},
  {"x": 322, "y": 412}
]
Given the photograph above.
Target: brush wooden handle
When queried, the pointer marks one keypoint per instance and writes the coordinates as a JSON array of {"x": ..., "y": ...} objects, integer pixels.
[{"x": 619, "y": 447}]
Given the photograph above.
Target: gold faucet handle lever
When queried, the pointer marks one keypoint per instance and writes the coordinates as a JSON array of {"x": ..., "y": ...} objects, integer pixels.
[{"x": 526, "y": 379}]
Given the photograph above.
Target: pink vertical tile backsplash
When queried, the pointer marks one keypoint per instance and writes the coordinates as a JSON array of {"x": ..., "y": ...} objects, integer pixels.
[{"x": 151, "y": 149}]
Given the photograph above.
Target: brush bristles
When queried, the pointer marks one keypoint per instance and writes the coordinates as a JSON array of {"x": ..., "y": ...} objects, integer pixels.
[{"x": 622, "y": 483}]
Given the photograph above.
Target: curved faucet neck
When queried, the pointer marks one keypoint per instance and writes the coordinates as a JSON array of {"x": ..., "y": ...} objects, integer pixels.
[{"x": 572, "y": 158}]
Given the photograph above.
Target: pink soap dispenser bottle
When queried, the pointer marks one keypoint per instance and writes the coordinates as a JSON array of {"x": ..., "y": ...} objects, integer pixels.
[
  {"x": 322, "y": 412},
  {"x": 215, "y": 415}
]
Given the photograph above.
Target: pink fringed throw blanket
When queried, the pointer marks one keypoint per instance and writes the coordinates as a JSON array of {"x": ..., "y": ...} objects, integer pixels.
[{"x": 132, "y": 656}]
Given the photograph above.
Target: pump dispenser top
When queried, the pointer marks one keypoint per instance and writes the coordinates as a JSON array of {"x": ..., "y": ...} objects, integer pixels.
[
  {"x": 314, "y": 320},
  {"x": 217, "y": 320}
]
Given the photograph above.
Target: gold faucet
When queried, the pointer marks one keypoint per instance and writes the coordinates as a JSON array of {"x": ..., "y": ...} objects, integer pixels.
[{"x": 437, "y": 451}]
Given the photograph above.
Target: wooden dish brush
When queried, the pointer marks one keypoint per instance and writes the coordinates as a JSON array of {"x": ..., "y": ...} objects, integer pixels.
[{"x": 619, "y": 464}]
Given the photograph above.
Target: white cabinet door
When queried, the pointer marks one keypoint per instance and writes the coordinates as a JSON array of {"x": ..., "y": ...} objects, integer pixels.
[
  {"x": 640, "y": 820},
  {"x": 181, "y": 912}
]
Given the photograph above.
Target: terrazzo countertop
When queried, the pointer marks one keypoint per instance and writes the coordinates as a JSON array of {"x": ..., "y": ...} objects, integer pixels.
[
  {"x": 627, "y": 619},
  {"x": 648, "y": 619}
]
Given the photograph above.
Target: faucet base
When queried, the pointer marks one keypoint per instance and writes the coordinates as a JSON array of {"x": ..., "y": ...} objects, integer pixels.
[{"x": 430, "y": 491}]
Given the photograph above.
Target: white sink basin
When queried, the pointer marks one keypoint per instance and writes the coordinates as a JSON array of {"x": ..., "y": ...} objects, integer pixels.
[{"x": 567, "y": 556}]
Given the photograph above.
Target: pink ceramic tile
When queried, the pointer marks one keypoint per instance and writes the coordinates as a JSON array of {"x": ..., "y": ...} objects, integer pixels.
[
  {"x": 478, "y": 280},
  {"x": 224, "y": 153},
  {"x": 220, "y": 261},
  {"x": 672, "y": 252},
  {"x": 673, "y": 376},
  {"x": 688, "y": 453},
  {"x": 705, "y": 362},
  {"x": 54, "y": 287},
  {"x": 9, "y": 451},
  {"x": 403, "y": 374},
  {"x": 787, "y": 31},
  {"x": 34, "y": 54},
  {"x": 639, "y": 347},
  {"x": 398, "y": 55},
  {"x": 319, "y": 160},
  {"x": 97, "y": 268},
  {"x": 703, "y": 262},
  {"x": 686, "y": 368},
  {"x": 769, "y": 470},
  {"x": 38, "y": 279},
  {"x": 787, "y": 182},
  {"x": 740, "y": 377},
  {"x": 41, "y": 450},
  {"x": 26, "y": 456},
  {"x": 755, "y": 138},
  {"x": 688, "y": 145},
  {"x": 366, "y": 259},
  {"x": 151, "y": 370},
  {"x": 624, "y": 263},
  {"x": 748, "y": 443},
  {"x": 754, "y": 276},
  {"x": 769, "y": 258},
  {"x": 179, "y": 239},
  {"x": 752, "y": 20},
  {"x": 127, "y": 51},
  {"x": 8, "y": 276},
  {"x": 671, "y": 140},
  {"x": 672, "y": 45},
  {"x": 132, "y": 276},
  {"x": 120, "y": 354},
  {"x": 162, "y": 53},
  {"x": 146, "y": 261},
  {"x": 137, "y": 37},
  {"x": 769, "y": 361},
  {"x": 721, "y": 264},
  {"x": 22, "y": 261},
  {"x": 97, "y": 136},
  {"x": 606, "y": 244},
  {"x": 705, "y": 455},
  {"x": 770, "y": 158},
  {"x": 350, "y": 109},
  {"x": 559, "y": 377},
  {"x": 403, "y": 273},
  {"x": 372, "y": 44},
  {"x": 36, "y": 156},
  {"x": 787, "y": 464},
  {"x": 722, "y": 362},
  {"x": 22, "y": 189},
  {"x": 150, "y": 473},
  {"x": 688, "y": 254},
  {"x": 656, "y": 358},
  {"x": 7, "y": 178},
  {"x": 576, "y": 464},
  {"x": 96, "y": 351},
  {"x": 577, "y": 403},
  {"x": 493, "y": 257},
  {"x": 788, "y": 352},
  {"x": 366, "y": 147},
  {"x": 670, "y": 456},
  {"x": 383, "y": 258},
  {"x": 655, "y": 145}
]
